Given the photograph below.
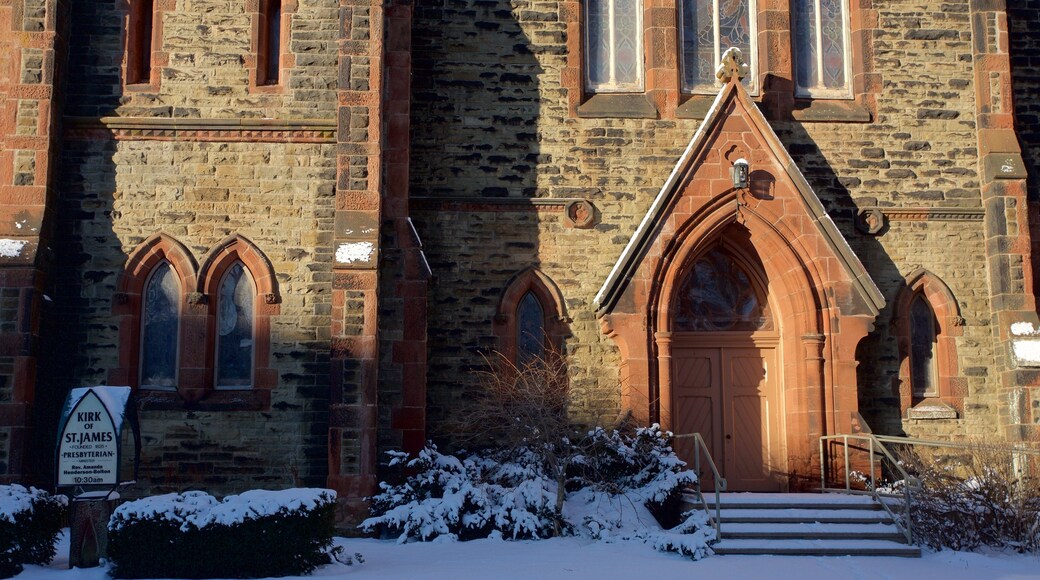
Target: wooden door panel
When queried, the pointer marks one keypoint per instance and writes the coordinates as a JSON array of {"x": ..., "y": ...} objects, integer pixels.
[
  {"x": 696, "y": 404},
  {"x": 729, "y": 396},
  {"x": 748, "y": 447},
  {"x": 749, "y": 418}
]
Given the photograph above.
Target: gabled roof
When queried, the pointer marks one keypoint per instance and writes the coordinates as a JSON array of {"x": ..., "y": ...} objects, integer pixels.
[{"x": 644, "y": 236}]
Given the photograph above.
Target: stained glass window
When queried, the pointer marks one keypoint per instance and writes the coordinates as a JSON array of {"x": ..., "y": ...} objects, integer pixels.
[
  {"x": 709, "y": 27},
  {"x": 717, "y": 294},
  {"x": 922, "y": 348},
  {"x": 159, "y": 328},
  {"x": 614, "y": 45},
  {"x": 530, "y": 328},
  {"x": 235, "y": 329},
  {"x": 821, "y": 37}
]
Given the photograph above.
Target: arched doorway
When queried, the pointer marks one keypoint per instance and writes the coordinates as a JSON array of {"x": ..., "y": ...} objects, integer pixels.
[{"x": 726, "y": 379}]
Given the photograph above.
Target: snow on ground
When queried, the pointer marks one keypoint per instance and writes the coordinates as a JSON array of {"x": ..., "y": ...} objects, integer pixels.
[{"x": 579, "y": 559}]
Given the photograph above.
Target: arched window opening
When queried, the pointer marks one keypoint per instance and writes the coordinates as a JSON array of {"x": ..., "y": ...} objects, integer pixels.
[
  {"x": 709, "y": 27},
  {"x": 716, "y": 293},
  {"x": 923, "y": 339},
  {"x": 160, "y": 326},
  {"x": 235, "y": 345},
  {"x": 614, "y": 45},
  {"x": 530, "y": 329}
]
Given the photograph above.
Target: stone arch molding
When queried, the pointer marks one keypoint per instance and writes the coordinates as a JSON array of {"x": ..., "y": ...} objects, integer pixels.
[
  {"x": 233, "y": 249},
  {"x": 198, "y": 283},
  {"x": 825, "y": 301},
  {"x": 550, "y": 297},
  {"x": 951, "y": 387}
]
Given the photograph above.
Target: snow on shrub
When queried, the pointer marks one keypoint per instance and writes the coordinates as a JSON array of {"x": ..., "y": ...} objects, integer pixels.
[
  {"x": 464, "y": 499},
  {"x": 616, "y": 480},
  {"x": 193, "y": 535},
  {"x": 979, "y": 497},
  {"x": 30, "y": 520}
]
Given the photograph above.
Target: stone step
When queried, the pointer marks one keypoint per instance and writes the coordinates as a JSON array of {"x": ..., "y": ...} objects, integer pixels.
[
  {"x": 812, "y": 531},
  {"x": 803, "y": 515},
  {"x": 816, "y": 548},
  {"x": 817, "y": 501}
]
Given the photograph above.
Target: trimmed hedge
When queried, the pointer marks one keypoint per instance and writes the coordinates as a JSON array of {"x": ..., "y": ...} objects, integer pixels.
[
  {"x": 255, "y": 535},
  {"x": 30, "y": 520}
]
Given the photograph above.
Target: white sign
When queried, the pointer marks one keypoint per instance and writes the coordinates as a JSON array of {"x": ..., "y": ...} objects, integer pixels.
[{"x": 88, "y": 444}]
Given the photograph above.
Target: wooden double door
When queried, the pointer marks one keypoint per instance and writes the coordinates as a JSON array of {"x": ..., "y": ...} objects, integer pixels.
[{"x": 726, "y": 386}]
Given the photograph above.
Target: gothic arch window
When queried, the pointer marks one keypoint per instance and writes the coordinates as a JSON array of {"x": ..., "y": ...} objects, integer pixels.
[
  {"x": 160, "y": 328},
  {"x": 242, "y": 292},
  {"x": 149, "y": 309},
  {"x": 531, "y": 321},
  {"x": 200, "y": 336},
  {"x": 530, "y": 329},
  {"x": 717, "y": 293},
  {"x": 234, "y": 343},
  {"x": 923, "y": 333},
  {"x": 927, "y": 323}
]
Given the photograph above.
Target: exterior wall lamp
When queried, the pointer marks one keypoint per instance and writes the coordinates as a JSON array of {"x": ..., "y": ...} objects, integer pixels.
[{"x": 741, "y": 173}]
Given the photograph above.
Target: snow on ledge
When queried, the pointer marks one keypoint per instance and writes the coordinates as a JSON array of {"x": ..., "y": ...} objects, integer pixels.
[
  {"x": 1024, "y": 329},
  {"x": 11, "y": 248},
  {"x": 354, "y": 252},
  {"x": 1027, "y": 351}
]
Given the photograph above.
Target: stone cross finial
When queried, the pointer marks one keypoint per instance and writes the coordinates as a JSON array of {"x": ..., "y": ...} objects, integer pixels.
[{"x": 732, "y": 65}]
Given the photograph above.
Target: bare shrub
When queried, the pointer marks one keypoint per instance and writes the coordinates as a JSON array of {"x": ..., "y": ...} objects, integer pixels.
[
  {"x": 522, "y": 408},
  {"x": 979, "y": 495}
]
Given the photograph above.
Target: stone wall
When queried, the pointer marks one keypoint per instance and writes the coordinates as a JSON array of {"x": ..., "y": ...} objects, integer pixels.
[
  {"x": 491, "y": 124},
  {"x": 207, "y": 46},
  {"x": 260, "y": 164}
]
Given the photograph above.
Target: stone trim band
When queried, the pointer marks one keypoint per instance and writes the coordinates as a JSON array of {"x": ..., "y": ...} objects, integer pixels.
[{"x": 201, "y": 129}]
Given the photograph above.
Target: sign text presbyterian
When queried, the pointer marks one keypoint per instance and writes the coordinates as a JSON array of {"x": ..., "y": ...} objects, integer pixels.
[{"x": 88, "y": 450}]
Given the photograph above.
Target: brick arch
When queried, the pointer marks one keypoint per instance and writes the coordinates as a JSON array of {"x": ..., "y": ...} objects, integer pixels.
[
  {"x": 553, "y": 306},
  {"x": 127, "y": 304},
  {"x": 951, "y": 386}
]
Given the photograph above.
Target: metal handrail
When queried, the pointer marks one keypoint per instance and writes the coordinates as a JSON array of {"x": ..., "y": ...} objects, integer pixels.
[
  {"x": 876, "y": 444},
  {"x": 720, "y": 482},
  {"x": 904, "y": 521}
]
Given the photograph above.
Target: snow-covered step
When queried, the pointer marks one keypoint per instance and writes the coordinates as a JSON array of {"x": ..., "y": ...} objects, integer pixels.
[
  {"x": 807, "y": 524},
  {"x": 816, "y": 548},
  {"x": 806, "y": 515},
  {"x": 812, "y": 531}
]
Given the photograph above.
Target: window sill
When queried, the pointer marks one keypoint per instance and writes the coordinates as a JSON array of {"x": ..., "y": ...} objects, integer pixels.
[
  {"x": 193, "y": 400},
  {"x": 696, "y": 107},
  {"x": 819, "y": 111},
  {"x": 617, "y": 106},
  {"x": 931, "y": 409}
]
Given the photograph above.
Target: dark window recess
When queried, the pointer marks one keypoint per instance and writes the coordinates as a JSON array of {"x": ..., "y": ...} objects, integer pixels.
[
  {"x": 922, "y": 348},
  {"x": 530, "y": 327},
  {"x": 270, "y": 45},
  {"x": 139, "y": 46},
  {"x": 160, "y": 324}
]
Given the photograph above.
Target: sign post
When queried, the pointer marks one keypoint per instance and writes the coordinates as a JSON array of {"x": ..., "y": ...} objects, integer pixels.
[{"x": 88, "y": 459}]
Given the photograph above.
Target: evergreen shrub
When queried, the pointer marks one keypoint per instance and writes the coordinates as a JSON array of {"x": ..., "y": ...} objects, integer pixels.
[
  {"x": 30, "y": 520},
  {"x": 256, "y": 534}
]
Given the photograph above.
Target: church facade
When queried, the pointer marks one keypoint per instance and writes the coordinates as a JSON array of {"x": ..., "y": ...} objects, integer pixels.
[{"x": 296, "y": 227}]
